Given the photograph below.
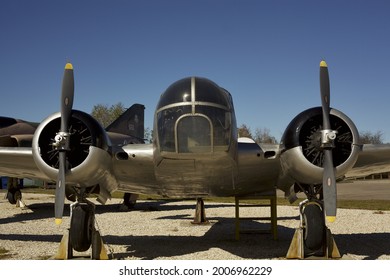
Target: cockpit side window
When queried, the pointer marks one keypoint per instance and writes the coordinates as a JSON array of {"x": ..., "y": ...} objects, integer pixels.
[{"x": 166, "y": 123}]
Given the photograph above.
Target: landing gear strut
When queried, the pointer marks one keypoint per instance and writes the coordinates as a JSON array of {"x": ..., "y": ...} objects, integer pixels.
[
  {"x": 14, "y": 194},
  {"x": 82, "y": 234},
  {"x": 312, "y": 238},
  {"x": 200, "y": 213},
  {"x": 129, "y": 201}
]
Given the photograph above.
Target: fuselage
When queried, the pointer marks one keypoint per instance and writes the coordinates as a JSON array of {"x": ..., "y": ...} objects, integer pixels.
[{"x": 195, "y": 151}]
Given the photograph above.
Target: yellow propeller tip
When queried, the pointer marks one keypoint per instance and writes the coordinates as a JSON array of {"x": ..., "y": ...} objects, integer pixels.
[
  {"x": 69, "y": 66},
  {"x": 58, "y": 221},
  {"x": 331, "y": 219},
  {"x": 323, "y": 63}
]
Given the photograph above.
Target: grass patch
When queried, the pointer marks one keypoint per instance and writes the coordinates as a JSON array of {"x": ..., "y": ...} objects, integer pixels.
[
  {"x": 376, "y": 205},
  {"x": 39, "y": 190}
]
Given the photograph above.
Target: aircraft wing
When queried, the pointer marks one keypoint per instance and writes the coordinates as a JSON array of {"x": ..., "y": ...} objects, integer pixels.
[
  {"x": 18, "y": 162},
  {"x": 373, "y": 159}
]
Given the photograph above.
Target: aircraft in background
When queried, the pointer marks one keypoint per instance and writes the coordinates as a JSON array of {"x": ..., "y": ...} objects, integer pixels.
[{"x": 195, "y": 153}]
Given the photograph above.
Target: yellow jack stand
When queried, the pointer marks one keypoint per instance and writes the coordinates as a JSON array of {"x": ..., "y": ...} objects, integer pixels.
[
  {"x": 297, "y": 248},
  {"x": 65, "y": 251}
]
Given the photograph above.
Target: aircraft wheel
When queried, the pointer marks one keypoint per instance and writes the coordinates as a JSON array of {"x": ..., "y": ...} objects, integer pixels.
[
  {"x": 13, "y": 195},
  {"x": 314, "y": 226},
  {"x": 81, "y": 227}
]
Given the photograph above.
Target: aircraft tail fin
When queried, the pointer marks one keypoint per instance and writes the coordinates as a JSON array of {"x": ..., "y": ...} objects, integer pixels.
[{"x": 131, "y": 122}]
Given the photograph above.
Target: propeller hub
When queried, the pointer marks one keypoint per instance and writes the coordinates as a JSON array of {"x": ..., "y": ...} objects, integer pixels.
[
  {"x": 327, "y": 138},
  {"x": 61, "y": 141}
]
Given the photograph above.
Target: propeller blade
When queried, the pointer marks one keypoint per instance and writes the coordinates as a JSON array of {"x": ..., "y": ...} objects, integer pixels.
[
  {"x": 325, "y": 93},
  {"x": 60, "y": 190},
  {"x": 329, "y": 176},
  {"x": 329, "y": 187},
  {"x": 67, "y": 96},
  {"x": 62, "y": 139}
]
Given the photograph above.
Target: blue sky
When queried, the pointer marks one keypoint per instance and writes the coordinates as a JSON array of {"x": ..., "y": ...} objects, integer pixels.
[{"x": 266, "y": 53}]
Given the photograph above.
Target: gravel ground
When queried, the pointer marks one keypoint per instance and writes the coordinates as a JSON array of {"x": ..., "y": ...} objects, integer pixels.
[{"x": 163, "y": 230}]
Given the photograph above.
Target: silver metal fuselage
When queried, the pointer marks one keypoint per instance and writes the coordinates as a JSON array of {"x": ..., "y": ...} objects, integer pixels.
[
  {"x": 248, "y": 171},
  {"x": 195, "y": 151}
]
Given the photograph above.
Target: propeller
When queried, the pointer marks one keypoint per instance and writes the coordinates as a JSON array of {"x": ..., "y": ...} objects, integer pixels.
[
  {"x": 327, "y": 144},
  {"x": 61, "y": 140}
]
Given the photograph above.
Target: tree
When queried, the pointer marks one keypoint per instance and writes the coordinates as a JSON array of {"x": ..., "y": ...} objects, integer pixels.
[
  {"x": 262, "y": 135},
  {"x": 367, "y": 137},
  {"x": 105, "y": 114},
  {"x": 148, "y": 135},
  {"x": 244, "y": 131}
]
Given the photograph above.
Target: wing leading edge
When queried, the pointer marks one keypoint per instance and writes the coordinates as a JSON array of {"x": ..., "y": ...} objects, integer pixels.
[
  {"x": 373, "y": 159},
  {"x": 18, "y": 162}
]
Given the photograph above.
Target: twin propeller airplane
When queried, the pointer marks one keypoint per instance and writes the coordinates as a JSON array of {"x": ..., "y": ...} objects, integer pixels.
[{"x": 195, "y": 153}]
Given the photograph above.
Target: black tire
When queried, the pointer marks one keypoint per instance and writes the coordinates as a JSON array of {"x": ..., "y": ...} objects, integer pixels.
[
  {"x": 13, "y": 195},
  {"x": 314, "y": 230},
  {"x": 81, "y": 227}
]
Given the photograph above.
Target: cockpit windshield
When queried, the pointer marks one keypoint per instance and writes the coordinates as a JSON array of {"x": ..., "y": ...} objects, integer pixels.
[{"x": 194, "y": 116}]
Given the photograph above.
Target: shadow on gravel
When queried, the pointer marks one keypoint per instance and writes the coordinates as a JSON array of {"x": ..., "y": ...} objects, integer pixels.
[
  {"x": 36, "y": 211},
  {"x": 220, "y": 235},
  {"x": 32, "y": 237},
  {"x": 250, "y": 246},
  {"x": 372, "y": 245}
]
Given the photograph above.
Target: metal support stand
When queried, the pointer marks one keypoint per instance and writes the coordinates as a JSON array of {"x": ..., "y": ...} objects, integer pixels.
[
  {"x": 129, "y": 201},
  {"x": 200, "y": 213},
  {"x": 331, "y": 250},
  {"x": 21, "y": 204},
  {"x": 296, "y": 249},
  {"x": 65, "y": 251},
  {"x": 99, "y": 251},
  {"x": 273, "y": 218}
]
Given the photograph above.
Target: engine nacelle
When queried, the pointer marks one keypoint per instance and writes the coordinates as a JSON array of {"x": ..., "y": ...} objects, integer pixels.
[
  {"x": 89, "y": 157},
  {"x": 302, "y": 156}
]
